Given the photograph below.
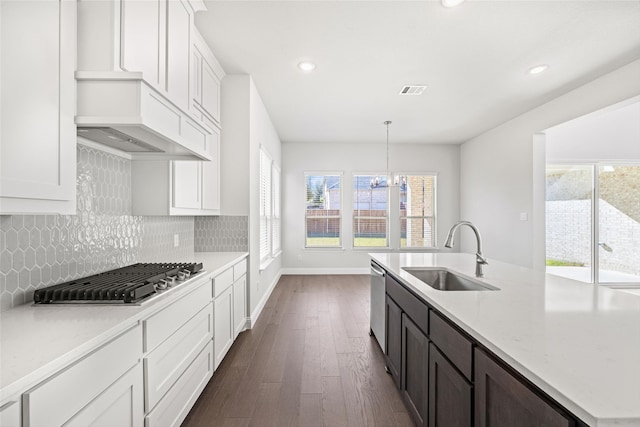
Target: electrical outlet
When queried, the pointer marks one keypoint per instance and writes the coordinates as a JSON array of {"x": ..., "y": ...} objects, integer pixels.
[
  {"x": 299, "y": 257},
  {"x": 176, "y": 240},
  {"x": 524, "y": 216}
]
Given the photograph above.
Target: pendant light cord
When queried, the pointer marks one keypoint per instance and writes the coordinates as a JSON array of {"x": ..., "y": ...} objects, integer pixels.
[{"x": 387, "y": 123}]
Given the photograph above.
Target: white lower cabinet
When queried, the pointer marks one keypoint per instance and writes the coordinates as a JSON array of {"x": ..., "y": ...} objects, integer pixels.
[
  {"x": 176, "y": 404},
  {"x": 223, "y": 313},
  {"x": 164, "y": 366},
  {"x": 10, "y": 414},
  {"x": 179, "y": 359},
  {"x": 239, "y": 305},
  {"x": 79, "y": 390},
  {"x": 229, "y": 307},
  {"x": 120, "y": 405}
]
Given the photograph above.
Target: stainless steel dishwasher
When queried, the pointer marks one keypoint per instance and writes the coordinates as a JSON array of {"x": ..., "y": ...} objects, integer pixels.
[{"x": 377, "y": 304}]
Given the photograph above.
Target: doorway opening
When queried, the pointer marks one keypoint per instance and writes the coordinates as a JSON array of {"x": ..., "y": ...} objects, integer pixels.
[{"x": 592, "y": 196}]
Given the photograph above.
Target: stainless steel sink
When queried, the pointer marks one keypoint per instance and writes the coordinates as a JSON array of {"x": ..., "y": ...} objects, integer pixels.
[{"x": 444, "y": 280}]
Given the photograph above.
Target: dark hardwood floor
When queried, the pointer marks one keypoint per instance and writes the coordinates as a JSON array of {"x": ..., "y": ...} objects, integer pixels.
[{"x": 309, "y": 361}]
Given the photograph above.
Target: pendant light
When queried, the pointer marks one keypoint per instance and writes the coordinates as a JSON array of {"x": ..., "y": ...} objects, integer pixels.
[{"x": 392, "y": 180}]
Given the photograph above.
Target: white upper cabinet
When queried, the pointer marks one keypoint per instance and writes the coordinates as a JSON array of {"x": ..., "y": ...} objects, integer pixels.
[
  {"x": 179, "y": 24},
  {"x": 37, "y": 130},
  {"x": 141, "y": 35},
  {"x": 178, "y": 188},
  {"x": 206, "y": 75}
]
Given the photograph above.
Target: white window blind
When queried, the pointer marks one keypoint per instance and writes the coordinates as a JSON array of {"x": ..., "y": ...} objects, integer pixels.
[
  {"x": 265, "y": 205},
  {"x": 276, "y": 222}
]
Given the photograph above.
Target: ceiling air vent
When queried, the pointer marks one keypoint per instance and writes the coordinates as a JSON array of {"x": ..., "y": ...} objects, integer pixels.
[{"x": 412, "y": 90}]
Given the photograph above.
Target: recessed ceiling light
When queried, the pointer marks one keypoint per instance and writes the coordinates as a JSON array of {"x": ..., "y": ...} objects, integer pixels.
[
  {"x": 306, "y": 66},
  {"x": 538, "y": 69},
  {"x": 452, "y": 3}
]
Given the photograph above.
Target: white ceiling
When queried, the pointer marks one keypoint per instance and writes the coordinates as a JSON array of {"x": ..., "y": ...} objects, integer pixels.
[{"x": 473, "y": 58}]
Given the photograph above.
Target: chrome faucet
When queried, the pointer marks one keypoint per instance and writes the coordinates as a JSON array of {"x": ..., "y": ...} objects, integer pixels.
[{"x": 480, "y": 259}]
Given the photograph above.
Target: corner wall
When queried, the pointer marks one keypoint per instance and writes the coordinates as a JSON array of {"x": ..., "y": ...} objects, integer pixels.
[
  {"x": 497, "y": 168},
  {"x": 247, "y": 125}
]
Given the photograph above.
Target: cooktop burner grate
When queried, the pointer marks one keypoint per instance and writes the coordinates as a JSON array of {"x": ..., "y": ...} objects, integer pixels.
[{"x": 128, "y": 284}]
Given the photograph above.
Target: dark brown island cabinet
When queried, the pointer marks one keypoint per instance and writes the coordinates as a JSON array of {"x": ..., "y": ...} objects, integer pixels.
[{"x": 447, "y": 379}]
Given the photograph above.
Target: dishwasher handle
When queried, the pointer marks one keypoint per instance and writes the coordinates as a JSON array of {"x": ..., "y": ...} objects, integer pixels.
[{"x": 377, "y": 270}]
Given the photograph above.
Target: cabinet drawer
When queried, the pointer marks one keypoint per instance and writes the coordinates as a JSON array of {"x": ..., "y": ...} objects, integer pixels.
[
  {"x": 455, "y": 346},
  {"x": 222, "y": 281},
  {"x": 175, "y": 405},
  {"x": 164, "y": 365},
  {"x": 163, "y": 324},
  {"x": 415, "y": 309},
  {"x": 239, "y": 270},
  {"x": 59, "y": 398}
]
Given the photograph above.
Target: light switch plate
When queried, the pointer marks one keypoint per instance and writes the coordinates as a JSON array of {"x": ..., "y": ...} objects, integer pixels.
[{"x": 176, "y": 240}]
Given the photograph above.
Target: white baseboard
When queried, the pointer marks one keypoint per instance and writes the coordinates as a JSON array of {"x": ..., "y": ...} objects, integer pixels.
[
  {"x": 251, "y": 321},
  {"x": 328, "y": 271}
]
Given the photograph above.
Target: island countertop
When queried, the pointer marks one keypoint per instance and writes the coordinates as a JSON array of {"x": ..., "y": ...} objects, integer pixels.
[{"x": 579, "y": 343}]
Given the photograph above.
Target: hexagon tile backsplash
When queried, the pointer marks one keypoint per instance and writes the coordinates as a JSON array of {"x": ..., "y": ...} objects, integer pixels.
[
  {"x": 42, "y": 250},
  {"x": 221, "y": 234}
]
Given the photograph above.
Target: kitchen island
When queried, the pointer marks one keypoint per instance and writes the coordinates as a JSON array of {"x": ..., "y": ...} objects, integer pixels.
[{"x": 578, "y": 343}]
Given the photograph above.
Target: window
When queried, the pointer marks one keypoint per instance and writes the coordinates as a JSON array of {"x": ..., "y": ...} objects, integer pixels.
[
  {"x": 370, "y": 211},
  {"x": 417, "y": 211},
  {"x": 277, "y": 224},
  {"x": 270, "y": 236},
  {"x": 322, "y": 214},
  {"x": 265, "y": 206}
]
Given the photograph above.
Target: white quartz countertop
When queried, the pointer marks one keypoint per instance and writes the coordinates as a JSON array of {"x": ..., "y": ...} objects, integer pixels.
[
  {"x": 36, "y": 341},
  {"x": 580, "y": 343}
]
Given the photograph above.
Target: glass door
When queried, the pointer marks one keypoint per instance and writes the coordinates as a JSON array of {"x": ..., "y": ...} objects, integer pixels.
[
  {"x": 618, "y": 243},
  {"x": 593, "y": 220}
]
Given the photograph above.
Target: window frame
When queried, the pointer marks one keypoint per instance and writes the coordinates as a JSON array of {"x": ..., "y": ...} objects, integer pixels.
[
  {"x": 434, "y": 216},
  {"x": 340, "y": 245},
  {"x": 353, "y": 210}
]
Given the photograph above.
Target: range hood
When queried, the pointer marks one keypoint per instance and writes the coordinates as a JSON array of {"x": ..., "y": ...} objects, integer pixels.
[{"x": 121, "y": 111}]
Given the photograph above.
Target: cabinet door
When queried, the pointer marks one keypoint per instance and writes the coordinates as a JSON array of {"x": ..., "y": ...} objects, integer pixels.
[
  {"x": 211, "y": 174},
  {"x": 37, "y": 129},
  {"x": 140, "y": 43},
  {"x": 415, "y": 370},
  {"x": 449, "y": 393},
  {"x": 223, "y": 315},
  {"x": 501, "y": 399},
  {"x": 119, "y": 405},
  {"x": 10, "y": 414},
  {"x": 239, "y": 305},
  {"x": 210, "y": 91},
  {"x": 186, "y": 185},
  {"x": 393, "y": 345},
  {"x": 178, "y": 44}
]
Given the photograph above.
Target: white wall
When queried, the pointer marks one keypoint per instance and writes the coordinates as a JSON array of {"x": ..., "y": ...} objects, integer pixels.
[
  {"x": 234, "y": 147},
  {"x": 497, "y": 180},
  {"x": 247, "y": 125},
  {"x": 262, "y": 132},
  {"x": 357, "y": 158},
  {"x": 611, "y": 134}
]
